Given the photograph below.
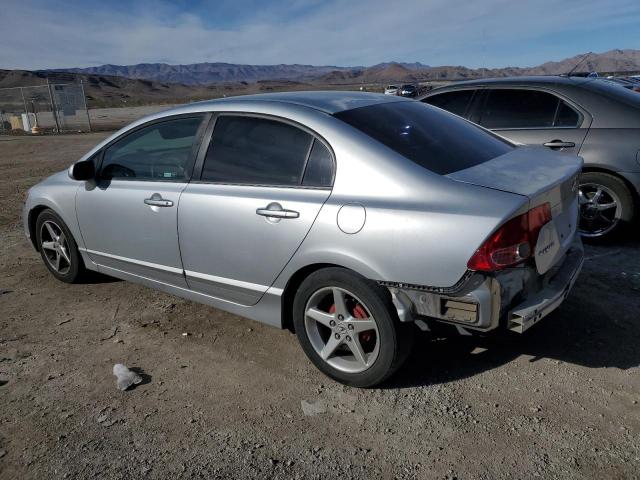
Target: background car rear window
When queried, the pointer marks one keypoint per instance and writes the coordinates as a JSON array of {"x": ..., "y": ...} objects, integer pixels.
[
  {"x": 515, "y": 108},
  {"x": 161, "y": 151},
  {"x": 256, "y": 151},
  {"x": 454, "y": 102},
  {"x": 432, "y": 138}
]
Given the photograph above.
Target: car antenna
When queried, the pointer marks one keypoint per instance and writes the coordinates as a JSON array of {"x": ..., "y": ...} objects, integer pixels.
[{"x": 584, "y": 57}]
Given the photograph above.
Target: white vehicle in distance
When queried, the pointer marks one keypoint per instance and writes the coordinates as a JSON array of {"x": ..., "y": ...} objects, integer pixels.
[{"x": 391, "y": 90}]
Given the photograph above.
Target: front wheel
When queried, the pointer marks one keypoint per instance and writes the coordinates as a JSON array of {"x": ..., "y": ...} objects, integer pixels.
[
  {"x": 58, "y": 248},
  {"x": 606, "y": 206},
  {"x": 348, "y": 327}
]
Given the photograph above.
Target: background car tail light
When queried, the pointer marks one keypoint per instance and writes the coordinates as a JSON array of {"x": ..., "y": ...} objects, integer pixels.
[{"x": 513, "y": 242}]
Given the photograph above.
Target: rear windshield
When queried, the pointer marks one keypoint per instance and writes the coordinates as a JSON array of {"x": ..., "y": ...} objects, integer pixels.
[
  {"x": 432, "y": 138},
  {"x": 613, "y": 91}
]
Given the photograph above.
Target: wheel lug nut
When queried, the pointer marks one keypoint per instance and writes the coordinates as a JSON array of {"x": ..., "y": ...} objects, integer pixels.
[
  {"x": 340, "y": 317},
  {"x": 348, "y": 338},
  {"x": 350, "y": 326},
  {"x": 337, "y": 336},
  {"x": 332, "y": 323}
]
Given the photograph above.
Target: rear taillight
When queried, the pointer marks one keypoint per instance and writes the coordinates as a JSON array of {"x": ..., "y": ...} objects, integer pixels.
[{"x": 513, "y": 242}]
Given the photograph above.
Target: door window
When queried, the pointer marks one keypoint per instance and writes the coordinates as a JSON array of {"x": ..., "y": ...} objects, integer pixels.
[
  {"x": 161, "y": 151},
  {"x": 454, "y": 102},
  {"x": 319, "y": 171},
  {"x": 256, "y": 151},
  {"x": 518, "y": 108},
  {"x": 567, "y": 116}
]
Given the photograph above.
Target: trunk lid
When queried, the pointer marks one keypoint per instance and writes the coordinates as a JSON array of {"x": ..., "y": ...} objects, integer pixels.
[{"x": 542, "y": 176}]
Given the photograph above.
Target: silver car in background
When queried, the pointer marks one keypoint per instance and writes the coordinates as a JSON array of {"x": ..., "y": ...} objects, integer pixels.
[
  {"x": 346, "y": 217},
  {"x": 591, "y": 117}
]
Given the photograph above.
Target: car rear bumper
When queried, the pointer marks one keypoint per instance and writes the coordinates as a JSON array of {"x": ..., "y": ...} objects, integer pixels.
[
  {"x": 542, "y": 303},
  {"x": 513, "y": 299}
]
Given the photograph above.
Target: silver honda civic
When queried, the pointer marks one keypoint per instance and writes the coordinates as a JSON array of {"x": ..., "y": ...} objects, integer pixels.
[{"x": 350, "y": 218}]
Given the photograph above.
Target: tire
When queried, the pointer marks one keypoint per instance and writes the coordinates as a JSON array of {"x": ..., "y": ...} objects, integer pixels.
[
  {"x": 383, "y": 348},
  {"x": 71, "y": 268},
  {"x": 603, "y": 225}
]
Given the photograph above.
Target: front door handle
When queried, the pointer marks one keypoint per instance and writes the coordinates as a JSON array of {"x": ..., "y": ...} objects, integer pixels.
[
  {"x": 559, "y": 144},
  {"x": 275, "y": 210},
  {"x": 156, "y": 200}
]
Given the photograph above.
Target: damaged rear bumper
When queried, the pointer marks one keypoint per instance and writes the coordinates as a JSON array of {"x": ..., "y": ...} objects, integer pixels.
[
  {"x": 541, "y": 304},
  {"x": 513, "y": 299}
]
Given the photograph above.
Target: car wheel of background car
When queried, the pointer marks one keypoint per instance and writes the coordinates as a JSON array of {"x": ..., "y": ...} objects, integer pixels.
[
  {"x": 58, "y": 248},
  {"x": 606, "y": 206},
  {"x": 348, "y": 327}
]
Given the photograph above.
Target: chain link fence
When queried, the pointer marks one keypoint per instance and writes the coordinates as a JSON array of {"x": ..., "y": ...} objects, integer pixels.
[{"x": 55, "y": 107}]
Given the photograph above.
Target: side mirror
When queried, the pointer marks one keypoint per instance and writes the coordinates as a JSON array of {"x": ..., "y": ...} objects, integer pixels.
[{"x": 85, "y": 170}]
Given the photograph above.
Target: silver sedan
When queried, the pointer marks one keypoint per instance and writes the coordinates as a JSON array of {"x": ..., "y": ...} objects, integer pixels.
[{"x": 349, "y": 218}]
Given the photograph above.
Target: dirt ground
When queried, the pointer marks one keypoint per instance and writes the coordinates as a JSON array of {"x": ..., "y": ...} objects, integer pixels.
[{"x": 226, "y": 400}]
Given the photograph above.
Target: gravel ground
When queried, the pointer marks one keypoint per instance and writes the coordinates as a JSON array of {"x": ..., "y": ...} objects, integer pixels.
[{"x": 234, "y": 398}]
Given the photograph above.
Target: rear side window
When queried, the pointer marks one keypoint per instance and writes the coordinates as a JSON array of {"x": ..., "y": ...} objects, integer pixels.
[
  {"x": 256, "y": 151},
  {"x": 319, "y": 171},
  {"x": 505, "y": 108},
  {"x": 160, "y": 151},
  {"x": 432, "y": 138},
  {"x": 454, "y": 102},
  {"x": 567, "y": 116}
]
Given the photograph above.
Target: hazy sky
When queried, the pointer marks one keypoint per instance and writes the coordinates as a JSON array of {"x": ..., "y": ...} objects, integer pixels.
[{"x": 492, "y": 33}]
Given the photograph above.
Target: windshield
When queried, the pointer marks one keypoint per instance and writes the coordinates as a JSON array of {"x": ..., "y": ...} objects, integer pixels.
[{"x": 434, "y": 139}]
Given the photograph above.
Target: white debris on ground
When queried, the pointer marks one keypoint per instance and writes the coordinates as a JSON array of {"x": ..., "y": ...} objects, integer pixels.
[
  {"x": 311, "y": 409},
  {"x": 126, "y": 377}
]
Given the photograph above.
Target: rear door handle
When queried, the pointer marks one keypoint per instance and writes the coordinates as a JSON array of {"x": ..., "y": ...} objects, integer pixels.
[
  {"x": 559, "y": 144},
  {"x": 275, "y": 210},
  {"x": 156, "y": 200}
]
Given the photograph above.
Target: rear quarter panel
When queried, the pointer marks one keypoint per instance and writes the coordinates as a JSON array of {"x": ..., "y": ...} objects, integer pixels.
[{"x": 419, "y": 227}]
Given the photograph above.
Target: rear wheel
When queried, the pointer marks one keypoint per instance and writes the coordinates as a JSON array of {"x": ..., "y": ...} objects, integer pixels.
[
  {"x": 348, "y": 327},
  {"x": 58, "y": 248},
  {"x": 606, "y": 206}
]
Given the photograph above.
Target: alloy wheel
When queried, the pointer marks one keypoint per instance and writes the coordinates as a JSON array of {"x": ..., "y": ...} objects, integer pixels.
[
  {"x": 55, "y": 246},
  {"x": 342, "y": 330},
  {"x": 599, "y": 209}
]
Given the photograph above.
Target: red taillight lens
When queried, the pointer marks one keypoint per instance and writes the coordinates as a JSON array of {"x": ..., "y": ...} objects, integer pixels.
[{"x": 513, "y": 242}]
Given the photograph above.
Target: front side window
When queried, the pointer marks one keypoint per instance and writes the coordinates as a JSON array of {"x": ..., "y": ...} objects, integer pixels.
[
  {"x": 162, "y": 151},
  {"x": 454, "y": 102},
  {"x": 256, "y": 151},
  {"x": 430, "y": 137},
  {"x": 520, "y": 108}
]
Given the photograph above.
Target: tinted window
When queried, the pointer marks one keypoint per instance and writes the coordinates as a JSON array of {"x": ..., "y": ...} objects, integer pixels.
[
  {"x": 319, "y": 171},
  {"x": 432, "y": 138},
  {"x": 518, "y": 109},
  {"x": 454, "y": 102},
  {"x": 567, "y": 116},
  {"x": 161, "y": 151},
  {"x": 256, "y": 151}
]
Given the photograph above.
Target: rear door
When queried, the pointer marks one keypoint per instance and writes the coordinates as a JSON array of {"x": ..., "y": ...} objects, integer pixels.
[
  {"x": 262, "y": 183},
  {"x": 533, "y": 117}
]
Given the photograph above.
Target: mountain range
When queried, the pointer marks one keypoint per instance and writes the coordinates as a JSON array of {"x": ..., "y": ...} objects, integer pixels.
[{"x": 212, "y": 73}]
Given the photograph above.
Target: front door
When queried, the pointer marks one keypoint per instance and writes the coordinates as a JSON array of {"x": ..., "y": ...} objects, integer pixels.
[
  {"x": 262, "y": 185},
  {"x": 128, "y": 217},
  {"x": 533, "y": 117}
]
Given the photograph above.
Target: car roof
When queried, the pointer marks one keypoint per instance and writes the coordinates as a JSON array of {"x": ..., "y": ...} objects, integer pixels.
[
  {"x": 325, "y": 101},
  {"x": 524, "y": 80}
]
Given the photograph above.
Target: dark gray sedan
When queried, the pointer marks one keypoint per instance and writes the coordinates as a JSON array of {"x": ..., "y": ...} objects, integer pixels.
[{"x": 584, "y": 116}]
